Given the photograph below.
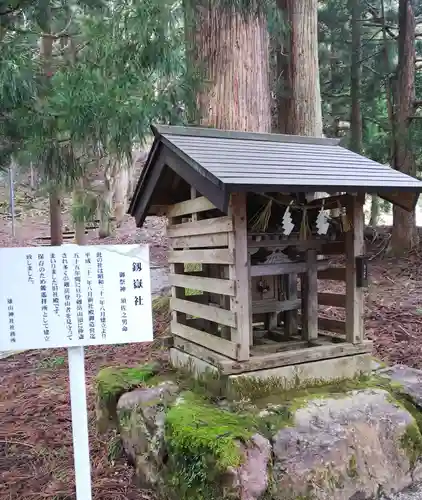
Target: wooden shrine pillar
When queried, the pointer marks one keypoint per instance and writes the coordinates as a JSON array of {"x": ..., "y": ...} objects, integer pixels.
[
  {"x": 354, "y": 248},
  {"x": 310, "y": 297},
  {"x": 241, "y": 303}
]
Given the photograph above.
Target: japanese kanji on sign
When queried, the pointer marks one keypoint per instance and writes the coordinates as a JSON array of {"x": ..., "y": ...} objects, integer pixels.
[{"x": 74, "y": 296}]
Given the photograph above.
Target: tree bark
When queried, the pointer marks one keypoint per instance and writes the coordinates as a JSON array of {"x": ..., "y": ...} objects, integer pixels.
[
  {"x": 375, "y": 211},
  {"x": 106, "y": 203},
  {"x": 121, "y": 191},
  {"x": 299, "y": 111},
  {"x": 80, "y": 216},
  {"x": 356, "y": 76},
  {"x": 231, "y": 50},
  {"x": 404, "y": 234},
  {"x": 56, "y": 234}
]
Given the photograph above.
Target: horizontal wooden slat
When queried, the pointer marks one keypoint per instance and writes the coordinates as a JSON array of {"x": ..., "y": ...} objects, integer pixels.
[
  {"x": 332, "y": 325},
  {"x": 280, "y": 244},
  {"x": 216, "y": 344},
  {"x": 267, "y": 306},
  {"x": 207, "y": 226},
  {"x": 213, "y": 285},
  {"x": 198, "y": 351},
  {"x": 333, "y": 273},
  {"x": 200, "y": 240},
  {"x": 189, "y": 207},
  {"x": 284, "y": 268},
  {"x": 216, "y": 314},
  {"x": 314, "y": 353},
  {"x": 332, "y": 299},
  {"x": 219, "y": 256}
]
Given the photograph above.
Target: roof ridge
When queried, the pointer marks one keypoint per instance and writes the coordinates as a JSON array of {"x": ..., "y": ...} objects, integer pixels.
[{"x": 232, "y": 134}]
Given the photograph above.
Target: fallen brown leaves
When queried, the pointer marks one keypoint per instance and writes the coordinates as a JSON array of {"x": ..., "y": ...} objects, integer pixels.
[{"x": 36, "y": 456}]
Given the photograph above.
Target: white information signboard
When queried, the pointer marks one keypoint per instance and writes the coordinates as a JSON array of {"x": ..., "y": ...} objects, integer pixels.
[{"x": 74, "y": 296}]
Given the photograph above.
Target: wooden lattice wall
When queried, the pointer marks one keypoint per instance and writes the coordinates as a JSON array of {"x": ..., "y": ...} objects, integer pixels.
[{"x": 209, "y": 276}]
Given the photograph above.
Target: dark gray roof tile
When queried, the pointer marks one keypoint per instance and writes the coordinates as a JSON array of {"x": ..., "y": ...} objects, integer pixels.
[{"x": 262, "y": 162}]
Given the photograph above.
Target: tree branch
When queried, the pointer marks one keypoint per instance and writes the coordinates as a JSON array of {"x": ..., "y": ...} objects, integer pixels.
[{"x": 10, "y": 11}]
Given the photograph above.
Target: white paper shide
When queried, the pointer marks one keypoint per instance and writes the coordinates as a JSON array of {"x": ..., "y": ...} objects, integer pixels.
[{"x": 74, "y": 296}]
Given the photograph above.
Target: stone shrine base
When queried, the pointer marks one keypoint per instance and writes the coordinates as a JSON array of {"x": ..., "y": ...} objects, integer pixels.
[
  {"x": 303, "y": 374},
  {"x": 288, "y": 436}
]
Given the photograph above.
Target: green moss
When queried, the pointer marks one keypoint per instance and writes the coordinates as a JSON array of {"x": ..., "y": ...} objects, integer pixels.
[
  {"x": 352, "y": 469},
  {"x": 111, "y": 383},
  {"x": 411, "y": 442},
  {"x": 202, "y": 441},
  {"x": 264, "y": 391},
  {"x": 197, "y": 426},
  {"x": 114, "y": 381},
  {"x": 261, "y": 393}
]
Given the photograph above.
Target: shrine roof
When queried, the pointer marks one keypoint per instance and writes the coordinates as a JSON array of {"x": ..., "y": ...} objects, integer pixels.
[{"x": 219, "y": 162}]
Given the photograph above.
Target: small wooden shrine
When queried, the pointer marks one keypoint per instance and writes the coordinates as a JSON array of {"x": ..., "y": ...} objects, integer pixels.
[{"x": 253, "y": 240}]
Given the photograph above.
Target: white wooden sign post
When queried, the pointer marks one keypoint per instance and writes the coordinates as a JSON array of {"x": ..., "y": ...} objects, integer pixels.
[{"x": 75, "y": 296}]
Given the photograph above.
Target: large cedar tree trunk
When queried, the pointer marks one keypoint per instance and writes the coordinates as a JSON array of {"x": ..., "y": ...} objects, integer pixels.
[
  {"x": 231, "y": 50},
  {"x": 404, "y": 235},
  {"x": 299, "y": 109}
]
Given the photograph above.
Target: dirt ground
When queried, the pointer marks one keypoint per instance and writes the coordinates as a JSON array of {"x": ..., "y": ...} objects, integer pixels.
[{"x": 35, "y": 431}]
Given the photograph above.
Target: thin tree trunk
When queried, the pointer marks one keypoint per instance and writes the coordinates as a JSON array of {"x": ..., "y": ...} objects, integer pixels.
[
  {"x": 231, "y": 49},
  {"x": 336, "y": 82},
  {"x": 80, "y": 235},
  {"x": 106, "y": 204},
  {"x": 388, "y": 89},
  {"x": 300, "y": 110},
  {"x": 121, "y": 190},
  {"x": 32, "y": 176},
  {"x": 105, "y": 210},
  {"x": 78, "y": 194},
  {"x": 375, "y": 211},
  {"x": 55, "y": 204},
  {"x": 404, "y": 234},
  {"x": 355, "y": 80},
  {"x": 301, "y": 113},
  {"x": 56, "y": 234}
]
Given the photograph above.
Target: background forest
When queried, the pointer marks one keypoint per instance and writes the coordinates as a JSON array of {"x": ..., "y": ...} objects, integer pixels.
[{"x": 81, "y": 81}]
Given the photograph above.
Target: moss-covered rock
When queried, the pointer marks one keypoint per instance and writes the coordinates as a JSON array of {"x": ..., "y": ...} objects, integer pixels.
[
  {"x": 187, "y": 441},
  {"x": 337, "y": 448},
  {"x": 141, "y": 418},
  {"x": 214, "y": 453},
  {"x": 111, "y": 383},
  {"x": 411, "y": 442}
]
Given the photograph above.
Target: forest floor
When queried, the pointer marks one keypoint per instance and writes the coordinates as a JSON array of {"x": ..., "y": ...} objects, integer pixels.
[{"x": 36, "y": 460}]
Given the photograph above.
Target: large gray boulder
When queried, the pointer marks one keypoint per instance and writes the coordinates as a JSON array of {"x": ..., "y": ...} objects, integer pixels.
[
  {"x": 409, "y": 379},
  {"x": 349, "y": 448},
  {"x": 141, "y": 418}
]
